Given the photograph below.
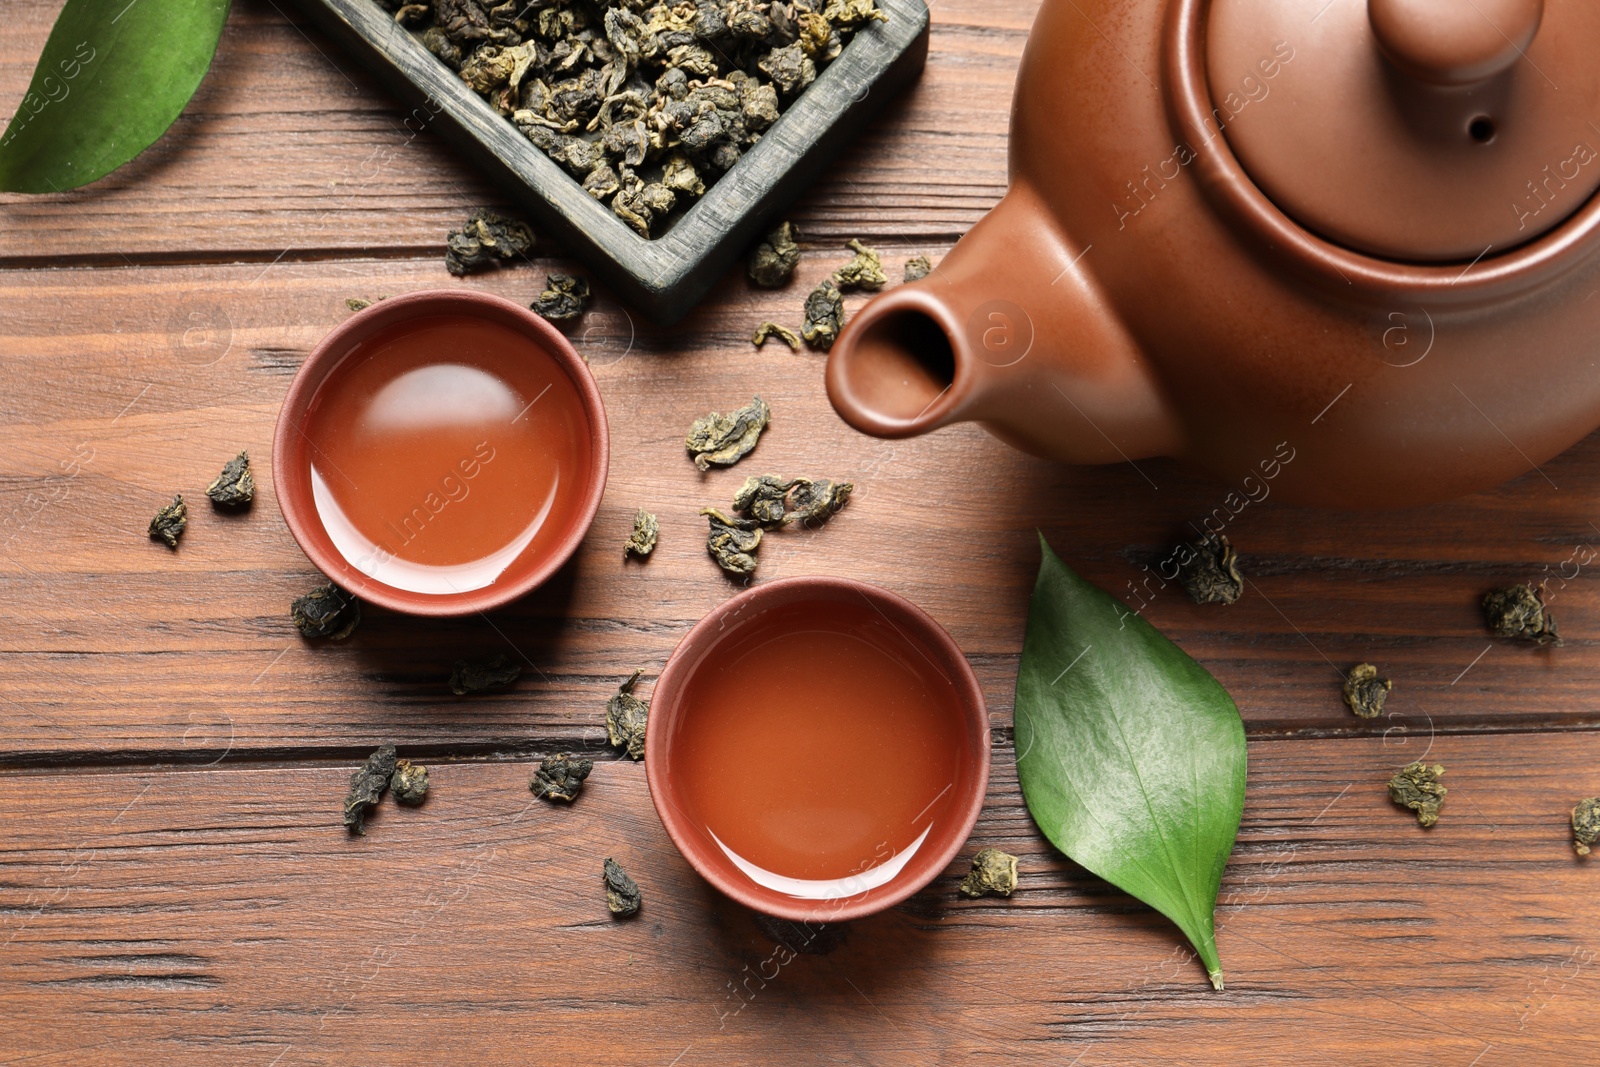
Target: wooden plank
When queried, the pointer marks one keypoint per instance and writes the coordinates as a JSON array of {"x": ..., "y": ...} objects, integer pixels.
[
  {"x": 291, "y": 150},
  {"x": 162, "y": 373},
  {"x": 223, "y": 913}
]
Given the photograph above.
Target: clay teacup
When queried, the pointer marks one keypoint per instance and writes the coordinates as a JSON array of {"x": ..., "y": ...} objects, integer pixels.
[
  {"x": 818, "y": 749},
  {"x": 441, "y": 453}
]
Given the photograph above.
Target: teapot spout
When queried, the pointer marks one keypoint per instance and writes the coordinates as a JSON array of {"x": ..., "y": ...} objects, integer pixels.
[{"x": 1010, "y": 330}]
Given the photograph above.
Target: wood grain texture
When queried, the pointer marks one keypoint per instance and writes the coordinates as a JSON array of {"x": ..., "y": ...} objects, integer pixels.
[
  {"x": 164, "y": 372},
  {"x": 224, "y": 913},
  {"x": 174, "y": 884}
]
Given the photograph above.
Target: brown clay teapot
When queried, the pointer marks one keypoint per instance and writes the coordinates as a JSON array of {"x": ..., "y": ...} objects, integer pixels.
[{"x": 1352, "y": 242}]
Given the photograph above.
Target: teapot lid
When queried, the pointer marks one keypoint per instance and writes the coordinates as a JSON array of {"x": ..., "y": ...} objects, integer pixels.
[{"x": 1417, "y": 130}]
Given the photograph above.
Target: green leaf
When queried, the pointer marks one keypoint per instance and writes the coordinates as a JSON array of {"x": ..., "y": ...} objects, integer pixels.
[
  {"x": 114, "y": 75},
  {"x": 1131, "y": 756}
]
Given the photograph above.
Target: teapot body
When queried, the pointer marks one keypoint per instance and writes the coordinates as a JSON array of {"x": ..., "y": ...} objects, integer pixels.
[{"x": 1122, "y": 303}]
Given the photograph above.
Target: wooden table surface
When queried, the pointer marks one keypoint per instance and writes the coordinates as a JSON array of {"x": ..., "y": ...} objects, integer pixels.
[{"x": 175, "y": 884}]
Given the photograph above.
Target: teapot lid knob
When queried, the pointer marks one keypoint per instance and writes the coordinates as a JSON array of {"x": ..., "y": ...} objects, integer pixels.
[{"x": 1454, "y": 42}]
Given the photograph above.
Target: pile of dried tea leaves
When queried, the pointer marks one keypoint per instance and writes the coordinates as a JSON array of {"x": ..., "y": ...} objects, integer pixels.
[
  {"x": 994, "y": 873},
  {"x": 1365, "y": 692},
  {"x": 767, "y": 502},
  {"x": 645, "y": 104},
  {"x": 627, "y": 718},
  {"x": 381, "y": 772},
  {"x": 1416, "y": 786},
  {"x": 723, "y": 440}
]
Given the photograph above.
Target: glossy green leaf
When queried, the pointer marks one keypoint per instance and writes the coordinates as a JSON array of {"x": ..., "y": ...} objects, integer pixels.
[
  {"x": 114, "y": 75},
  {"x": 1131, "y": 756}
]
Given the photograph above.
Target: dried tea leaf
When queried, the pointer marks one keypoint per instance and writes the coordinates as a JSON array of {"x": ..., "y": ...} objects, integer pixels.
[
  {"x": 409, "y": 782},
  {"x": 326, "y": 612},
  {"x": 235, "y": 487},
  {"x": 994, "y": 873},
  {"x": 565, "y": 297},
  {"x": 1585, "y": 824},
  {"x": 1416, "y": 786},
  {"x": 1519, "y": 611},
  {"x": 626, "y": 718},
  {"x": 824, "y": 316},
  {"x": 367, "y": 786},
  {"x": 622, "y": 892},
  {"x": 773, "y": 329},
  {"x": 772, "y": 262},
  {"x": 732, "y": 542},
  {"x": 852, "y": 13},
  {"x": 918, "y": 268},
  {"x": 865, "y": 271},
  {"x": 723, "y": 440},
  {"x": 486, "y": 238},
  {"x": 560, "y": 778},
  {"x": 169, "y": 522},
  {"x": 356, "y": 303},
  {"x": 764, "y": 498},
  {"x": 642, "y": 541},
  {"x": 1211, "y": 570},
  {"x": 495, "y": 672},
  {"x": 817, "y": 501},
  {"x": 1365, "y": 692},
  {"x": 1131, "y": 756}
]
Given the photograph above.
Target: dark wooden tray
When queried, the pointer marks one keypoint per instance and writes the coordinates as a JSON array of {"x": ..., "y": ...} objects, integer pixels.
[{"x": 666, "y": 276}]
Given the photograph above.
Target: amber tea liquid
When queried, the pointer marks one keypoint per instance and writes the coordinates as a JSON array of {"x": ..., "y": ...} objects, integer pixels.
[
  {"x": 819, "y": 747},
  {"x": 443, "y": 449}
]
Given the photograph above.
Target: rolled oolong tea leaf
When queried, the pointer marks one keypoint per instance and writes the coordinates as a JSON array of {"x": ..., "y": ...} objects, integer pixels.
[
  {"x": 356, "y": 303},
  {"x": 994, "y": 873},
  {"x": 1130, "y": 754},
  {"x": 918, "y": 268},
  {"x": 764, "y": 498},
  {"x": 723, "y": 440},
  {"x": 565, "y": 297},
  {"x": 1416, "y": 786},
  {"x": 169, "y": 522},
  {"x": 235, "y": 487},
  {"x": 733, "y": 542},
  {"x": 1211, "y": 575},
  {"x": 1519, "y": 612},
  {"x": 627, "y": 718},
  {"x": 409, "y": 783},
  {"x": 1365, "y": 692},
  {"x": 559, "y": 778},
  {"x": 496, "y": 672},
  {"x": 622, "y": 893},
  {"x": 367, "y": 786},
  {"x": 773, "y": 329},
  {"x": 817, "y": 501},
  {"x": 326, "y": 612},
  {"x": 642, "y": 541},
  {"x": 772, "y": 262},
  {"x": 1585, "y": 824},
  {"x": 865, "y": 271},
  {"x": 853, "y": 13},
  {"x": 486, "y": 238},
  {"x": 824, "y": 316}
]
